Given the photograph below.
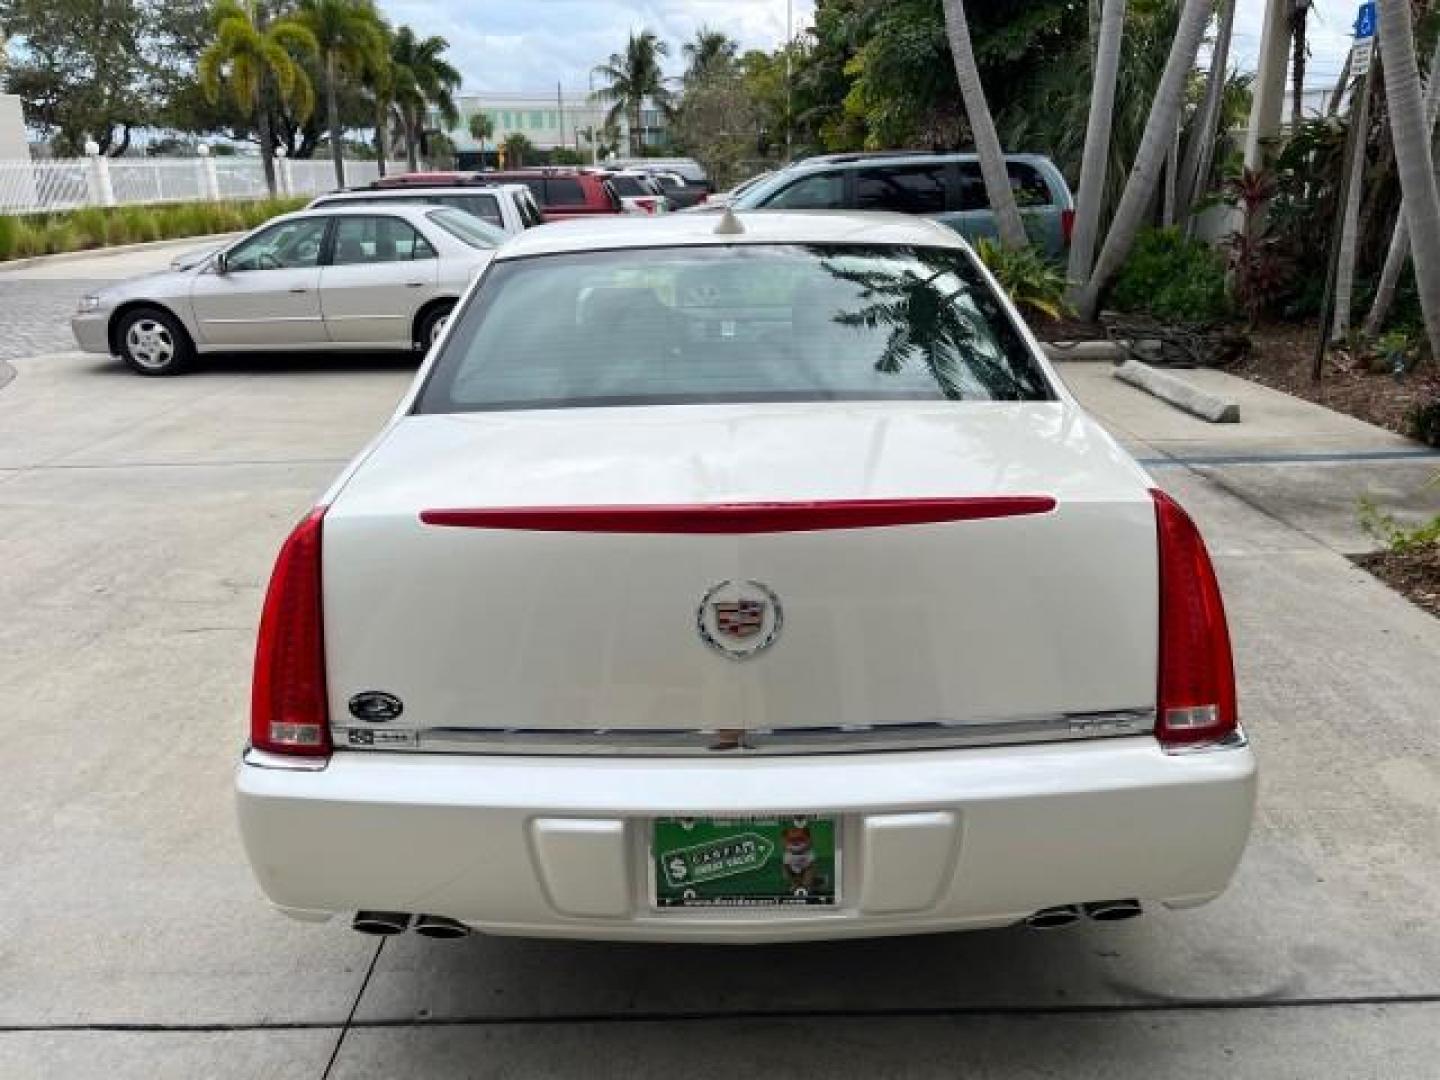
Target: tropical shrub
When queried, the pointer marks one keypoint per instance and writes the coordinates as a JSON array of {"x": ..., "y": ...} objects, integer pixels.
[
  {"x": 1035, "y": 285},
  {"x": 1172, "y": 279},
  {"x": 1260, "y": 269}
]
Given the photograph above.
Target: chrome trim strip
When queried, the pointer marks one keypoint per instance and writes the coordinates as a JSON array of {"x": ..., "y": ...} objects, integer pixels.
[
  {"x": 685, "y": 742},
  {"x": 263, "y": 759},
  {"x": 1236, "y": 740}
]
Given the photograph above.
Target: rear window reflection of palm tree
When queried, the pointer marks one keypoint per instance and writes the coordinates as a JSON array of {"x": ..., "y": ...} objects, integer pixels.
[{"x": 933, "y": 316}]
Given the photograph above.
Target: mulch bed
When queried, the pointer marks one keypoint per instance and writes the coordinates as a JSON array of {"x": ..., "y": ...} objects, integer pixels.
[
  {"x": 1065, "y": 329},
  {"x": 1413, "y": 574},
  {"x": 1281, "y": 358}
]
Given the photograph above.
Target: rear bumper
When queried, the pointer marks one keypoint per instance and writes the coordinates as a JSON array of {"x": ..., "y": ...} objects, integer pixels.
[{"x": 931, "y": 841}]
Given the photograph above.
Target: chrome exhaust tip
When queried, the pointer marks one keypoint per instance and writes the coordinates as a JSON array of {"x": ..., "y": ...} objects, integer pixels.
[
  {"x": 1052, "y": 918},
  {"x": 1114, "y": 910},
  {"x": 381, "y": 923},
  {"x": 439, "y": 927}
]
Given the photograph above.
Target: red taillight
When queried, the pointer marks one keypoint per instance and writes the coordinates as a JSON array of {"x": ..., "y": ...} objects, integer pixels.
[
  {"x": 1067, "y": 224},
  {"x": 288, "y": 713},
  {"x": 1196, "y": 694},
  {"x": 648, "y": 205}
]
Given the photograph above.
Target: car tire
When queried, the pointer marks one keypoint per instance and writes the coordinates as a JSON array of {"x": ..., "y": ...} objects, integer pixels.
[
  {"x": 153, "y": 342},
  {"x": 430, "y": 326}
]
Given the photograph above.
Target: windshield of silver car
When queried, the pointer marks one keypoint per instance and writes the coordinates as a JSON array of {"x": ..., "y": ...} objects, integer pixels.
[{"x": 741, "y": 323}]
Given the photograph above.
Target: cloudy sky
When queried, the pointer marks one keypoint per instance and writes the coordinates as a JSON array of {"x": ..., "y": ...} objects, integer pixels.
[{"x": 529, "y": 45}]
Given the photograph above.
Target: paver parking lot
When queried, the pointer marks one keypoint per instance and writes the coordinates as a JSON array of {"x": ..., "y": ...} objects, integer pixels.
[{"x": 138, "y": 519}]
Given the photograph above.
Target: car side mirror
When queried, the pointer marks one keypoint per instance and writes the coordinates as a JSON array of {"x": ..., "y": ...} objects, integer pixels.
[{"x": 221, "y": 266}]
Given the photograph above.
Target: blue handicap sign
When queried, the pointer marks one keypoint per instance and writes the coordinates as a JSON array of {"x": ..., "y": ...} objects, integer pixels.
[{"x": 1365, "y": 21}]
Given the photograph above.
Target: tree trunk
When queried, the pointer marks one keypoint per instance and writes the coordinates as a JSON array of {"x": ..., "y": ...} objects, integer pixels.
[
  {"x": 987, "y": 144},
  {"x": 1299, "y": 14},
  {"x": 267, "y": 141},
  {"x": 1200, "y": 150},
  {"x": 382, "y": 134},
  {"x": 1413, "y": 159},
  {"x": 1154, "y": 144},
  {"x": 1338, "y": 94},
  {"x": 1095, "y": 164},
  {"x": 332, "y": 108},
  {"x": 1172, "y": 166},
  {"x": 1399, "y": 250},
  {"x": 412, "y": 139},
  {"x": 1350, "y": 224},
  {"x": 637, "y": 138}
]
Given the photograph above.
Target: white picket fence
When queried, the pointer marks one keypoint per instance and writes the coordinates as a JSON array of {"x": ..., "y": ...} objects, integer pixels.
[{"x": 36, "y": 186}]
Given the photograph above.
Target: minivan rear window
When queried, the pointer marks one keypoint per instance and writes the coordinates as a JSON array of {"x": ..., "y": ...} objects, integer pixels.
[
  {"x": 1026, "y": 182},
  {"x": 907, "y": 189},
  {"x": 748, "y": 323}
]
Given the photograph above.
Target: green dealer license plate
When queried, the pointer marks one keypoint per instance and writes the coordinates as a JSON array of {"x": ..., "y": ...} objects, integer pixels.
[{"x": 745, "y": 862}]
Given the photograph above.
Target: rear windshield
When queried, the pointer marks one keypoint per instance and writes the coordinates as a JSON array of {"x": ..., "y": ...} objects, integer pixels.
[
  {"x": 467, "y": 228},
  {"x": 484, "y": 207},
  {"x": 758, "y": 323}
]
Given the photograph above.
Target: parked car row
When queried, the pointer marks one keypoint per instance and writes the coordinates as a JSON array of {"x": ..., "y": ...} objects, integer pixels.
[{"x": 294, "y": 282}]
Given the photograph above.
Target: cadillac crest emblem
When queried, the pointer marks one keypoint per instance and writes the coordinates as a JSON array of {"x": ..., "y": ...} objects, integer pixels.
[{"x": 739, "y": 618}]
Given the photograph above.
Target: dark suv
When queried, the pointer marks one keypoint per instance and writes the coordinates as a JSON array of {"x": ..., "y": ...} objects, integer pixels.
[{"x": 564, "y": 193}]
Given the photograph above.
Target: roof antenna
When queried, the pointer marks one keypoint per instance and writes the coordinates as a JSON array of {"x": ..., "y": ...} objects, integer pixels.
[{"x": 729, "y": 224}]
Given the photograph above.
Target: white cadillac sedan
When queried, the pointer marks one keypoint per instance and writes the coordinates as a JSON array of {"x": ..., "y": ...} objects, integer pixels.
[
  {"x": 338, "y": 279},
  {"x": 741, "y": 578}
]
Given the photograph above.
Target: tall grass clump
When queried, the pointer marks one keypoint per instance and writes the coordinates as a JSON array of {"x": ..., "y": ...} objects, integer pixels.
[{"x": 23, "y": 235}]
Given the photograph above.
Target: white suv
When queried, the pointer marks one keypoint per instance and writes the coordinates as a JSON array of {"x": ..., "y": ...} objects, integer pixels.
[{"x": 509, "y": 207}]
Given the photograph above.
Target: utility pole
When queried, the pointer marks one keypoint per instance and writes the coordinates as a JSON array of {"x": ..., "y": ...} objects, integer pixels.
[{"x": 560, "y": 98}]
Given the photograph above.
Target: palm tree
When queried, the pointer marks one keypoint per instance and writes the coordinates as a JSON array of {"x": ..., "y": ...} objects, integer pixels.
[
  {"x": 481, "y": 129},
  {"x": 252, "y": 55},
  {"x": 1352, "y": 186},
  {"x": 710, "y": 50},
  {"x": 1399, "y": 250},
  {"x": 1299, "y": 15},
  {"x": 634, "y": 77},
  {"x": 517, "y": 147},
  {"x": 1154, "y": 145},
  {"x": 350, "y": 41},
  {"x": 423, "y": 79},
  {"x": 1095, "y": 162},
  {"x": 1200, "y": 150},
  {"x": 1413, "y": 159},
  {"x": 982, "y": 128}
]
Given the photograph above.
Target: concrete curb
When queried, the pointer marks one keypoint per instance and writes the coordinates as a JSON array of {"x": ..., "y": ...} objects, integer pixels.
[
  {"x": 1182, "y": 395},
  {"x": 118, "y": 249},
  {"x": 1095, "y": 350}
]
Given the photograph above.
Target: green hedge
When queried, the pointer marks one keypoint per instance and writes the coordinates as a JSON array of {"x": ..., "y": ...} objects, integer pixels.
[{"x": 95, "y": 227}]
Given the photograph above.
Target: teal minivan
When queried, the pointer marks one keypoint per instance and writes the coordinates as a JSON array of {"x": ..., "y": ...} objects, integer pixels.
[{"x": 944, "y": 186}]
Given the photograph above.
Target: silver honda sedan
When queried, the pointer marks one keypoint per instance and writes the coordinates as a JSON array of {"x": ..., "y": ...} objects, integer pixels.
[{"x": 356, "y": 279}]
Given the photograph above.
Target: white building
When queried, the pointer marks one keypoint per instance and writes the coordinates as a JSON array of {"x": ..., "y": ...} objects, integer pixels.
[{"x": 549, "y": 120}]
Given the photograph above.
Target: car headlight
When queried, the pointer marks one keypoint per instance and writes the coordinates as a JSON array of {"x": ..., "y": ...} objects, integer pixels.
[{"x": 89, "y": 303}]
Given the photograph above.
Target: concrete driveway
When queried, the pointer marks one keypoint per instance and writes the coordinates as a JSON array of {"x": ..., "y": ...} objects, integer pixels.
[{"x": 138, "y": 520}]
